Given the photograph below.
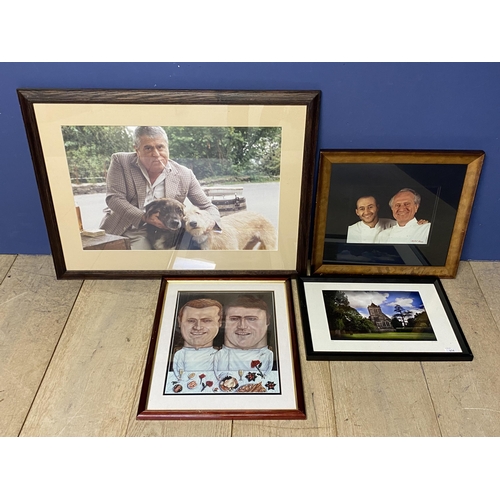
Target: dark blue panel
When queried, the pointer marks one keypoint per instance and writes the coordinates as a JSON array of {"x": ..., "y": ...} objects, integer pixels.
[{"x": 364, "y": 105}]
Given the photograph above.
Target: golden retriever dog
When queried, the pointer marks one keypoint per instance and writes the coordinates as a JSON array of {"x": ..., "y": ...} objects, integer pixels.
[
  {"x": 244, "y": 230},
  {"x": 171, "y": 213}
]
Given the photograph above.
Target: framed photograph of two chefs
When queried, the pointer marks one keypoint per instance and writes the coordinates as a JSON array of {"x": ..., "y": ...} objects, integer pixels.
[
  {"x": 393, "y": 212},
  {"x": 201, "y": 177}
]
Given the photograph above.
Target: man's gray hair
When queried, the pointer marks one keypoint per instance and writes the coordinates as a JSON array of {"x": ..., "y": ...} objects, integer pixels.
[
  {"x": 416, "y": 196},
  {"x": 148, "y": 132}
]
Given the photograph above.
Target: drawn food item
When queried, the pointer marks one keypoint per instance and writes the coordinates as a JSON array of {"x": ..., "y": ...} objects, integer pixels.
[
  {"x": 192, "y": 384},
  {"x": 228, "y": 384},
  {"x": 177, "y": 388},
  {"x": 252, "y": 388},
  {"x": 192, "y": 375}
]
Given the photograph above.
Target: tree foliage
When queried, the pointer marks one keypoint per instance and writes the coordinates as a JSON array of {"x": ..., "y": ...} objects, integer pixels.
[
  {"x": 396, "y": 323},
  {"x": 421, "y": 320},
  {"x": 344, "y": 318},
  {"x": 227, "y": 151},
  {"x": 211, "y": 152},
  {"x": 89, "y": 150},
  {"x": 402, "y": 315},
  {"x": 335, "y": 303}
]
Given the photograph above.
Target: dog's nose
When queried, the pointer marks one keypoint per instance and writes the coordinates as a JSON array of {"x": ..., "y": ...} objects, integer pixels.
[{"x": 193, "y": 223}]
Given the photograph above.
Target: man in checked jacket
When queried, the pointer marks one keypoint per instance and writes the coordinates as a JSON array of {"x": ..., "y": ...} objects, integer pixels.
[{"x": 136, "y": 179}]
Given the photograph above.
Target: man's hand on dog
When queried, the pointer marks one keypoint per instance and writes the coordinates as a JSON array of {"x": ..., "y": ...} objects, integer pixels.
[{"x": 154, "y": 220}]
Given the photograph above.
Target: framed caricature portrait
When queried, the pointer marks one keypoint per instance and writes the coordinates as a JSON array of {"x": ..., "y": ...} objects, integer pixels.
[
  {"x": 223, "y": 349},
  {"x": 143, "y": 183},
  {"x": 393, "y": 212}
]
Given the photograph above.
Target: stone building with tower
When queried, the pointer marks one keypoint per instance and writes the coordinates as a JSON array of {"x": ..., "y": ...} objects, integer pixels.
[{"x": 378, "y": 318}]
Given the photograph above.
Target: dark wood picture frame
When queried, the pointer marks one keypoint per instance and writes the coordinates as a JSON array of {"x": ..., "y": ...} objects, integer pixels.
[
  {"x": 331, "y": 332},
  {"x": 46, "y": 111},
  {"x": 448, "y": 182},
  {"x": 202, "y": 394}
]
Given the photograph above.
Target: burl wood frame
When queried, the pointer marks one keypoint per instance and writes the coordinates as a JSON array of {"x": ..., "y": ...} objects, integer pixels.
[{"x": 472, "y": 160}]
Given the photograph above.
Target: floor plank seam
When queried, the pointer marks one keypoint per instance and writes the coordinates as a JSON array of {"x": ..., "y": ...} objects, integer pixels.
[
  {"x": 475, "y": 277},
  {"x": 138, "y": 391},
  {"x": 336, "y": 430},
  {"x": 432, "y": 399},
  {"x": 49, "y": 362},
  {"x": 9, "y": 270},
  {"x": 485, "y": 295}
]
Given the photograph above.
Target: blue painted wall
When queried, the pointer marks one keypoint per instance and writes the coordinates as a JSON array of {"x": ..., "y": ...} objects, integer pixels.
[{"x": 364, "y": 105}]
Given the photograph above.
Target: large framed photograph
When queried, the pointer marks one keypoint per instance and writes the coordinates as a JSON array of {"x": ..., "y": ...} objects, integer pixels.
[
  {"x": 393, "y": 212},
  {"x": 365, "y": 318},
  {"x": 223, "y": 349},
  {"x": 144, "y": 183}
]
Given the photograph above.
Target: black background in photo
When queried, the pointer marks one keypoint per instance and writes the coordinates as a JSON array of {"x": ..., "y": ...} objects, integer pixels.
[{"x": 440, "y": 187}]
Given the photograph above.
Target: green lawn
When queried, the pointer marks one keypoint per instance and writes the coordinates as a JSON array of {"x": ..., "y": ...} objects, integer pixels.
[{"x": 387, "y": 336}]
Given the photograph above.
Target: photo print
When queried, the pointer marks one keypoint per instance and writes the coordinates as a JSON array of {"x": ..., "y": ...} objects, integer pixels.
[{"x": 377, "y": 315}]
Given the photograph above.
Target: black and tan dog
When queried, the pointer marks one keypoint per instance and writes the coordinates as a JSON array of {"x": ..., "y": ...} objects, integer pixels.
[{"x": 171, "y": 213}]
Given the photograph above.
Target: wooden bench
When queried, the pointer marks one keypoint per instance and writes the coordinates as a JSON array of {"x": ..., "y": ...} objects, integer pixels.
[
  {"x": 105, "y": 242},
  {"x": 228, "y": 200}
]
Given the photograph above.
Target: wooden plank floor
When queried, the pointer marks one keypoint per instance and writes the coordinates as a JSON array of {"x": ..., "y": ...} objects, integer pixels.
[{"x": 72, "y": 355}]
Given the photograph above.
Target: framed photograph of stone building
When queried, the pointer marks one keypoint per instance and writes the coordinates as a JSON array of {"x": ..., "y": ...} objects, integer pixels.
[{"x": 390, "y": 319}]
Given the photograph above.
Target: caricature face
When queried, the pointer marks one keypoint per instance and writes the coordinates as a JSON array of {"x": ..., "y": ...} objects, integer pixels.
[
  {"x": 199, "y": 327},
  {"x": 404, "y": 207},
  {"x": 246, "y": 328},
  {"x": 153, "y": 153},
  {"x": 367, "y": 210}
]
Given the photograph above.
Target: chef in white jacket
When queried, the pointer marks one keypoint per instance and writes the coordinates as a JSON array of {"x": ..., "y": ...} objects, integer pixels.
[
  {"x": 370, "y": 225},
  {"x": 404, "y": 205},
  {"x": 245, "y": 338}
]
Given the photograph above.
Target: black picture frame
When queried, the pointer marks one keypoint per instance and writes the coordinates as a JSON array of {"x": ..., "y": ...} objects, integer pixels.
[{"x": 335, "y": 325}]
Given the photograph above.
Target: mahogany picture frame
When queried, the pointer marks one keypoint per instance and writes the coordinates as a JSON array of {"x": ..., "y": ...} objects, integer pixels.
[
  {"x": 198, "y": 393},
  {"x": 46, "y": 113}
]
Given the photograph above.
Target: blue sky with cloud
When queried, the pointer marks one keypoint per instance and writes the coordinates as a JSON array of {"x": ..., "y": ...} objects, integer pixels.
[{"x": 410, "y": 301}]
